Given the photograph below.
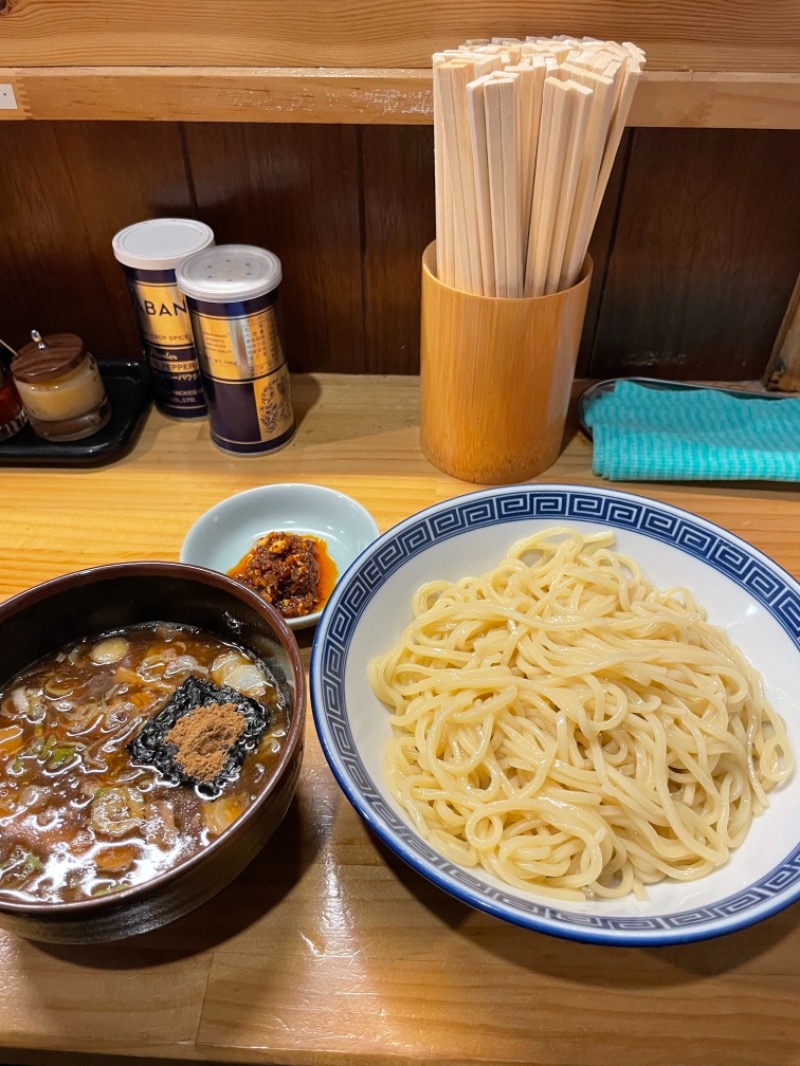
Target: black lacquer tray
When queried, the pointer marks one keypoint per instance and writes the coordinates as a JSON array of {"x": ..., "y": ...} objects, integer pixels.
[{"x": 128, "y": 392}]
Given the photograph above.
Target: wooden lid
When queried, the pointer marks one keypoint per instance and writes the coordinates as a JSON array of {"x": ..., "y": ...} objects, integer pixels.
[{"x": 36, "y": 364}]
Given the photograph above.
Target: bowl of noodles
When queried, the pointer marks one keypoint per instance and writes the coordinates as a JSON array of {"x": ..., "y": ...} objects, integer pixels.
[{"x": 574, "y": 709}]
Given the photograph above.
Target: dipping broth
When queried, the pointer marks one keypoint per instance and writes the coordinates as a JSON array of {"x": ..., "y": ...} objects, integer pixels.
[{"x": 78, "y": 818}]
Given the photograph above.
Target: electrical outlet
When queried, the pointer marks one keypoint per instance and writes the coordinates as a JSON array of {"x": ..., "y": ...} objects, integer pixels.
[{"x": 8, "y": 101}]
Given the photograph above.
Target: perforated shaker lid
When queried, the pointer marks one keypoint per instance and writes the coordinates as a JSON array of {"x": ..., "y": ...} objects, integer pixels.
[
  {"x": 229, "y": 272},
  {"x": 160, "y": 243}
]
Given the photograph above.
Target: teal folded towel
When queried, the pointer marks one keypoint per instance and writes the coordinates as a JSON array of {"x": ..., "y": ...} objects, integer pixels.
[{"x": 650, "y": 434}]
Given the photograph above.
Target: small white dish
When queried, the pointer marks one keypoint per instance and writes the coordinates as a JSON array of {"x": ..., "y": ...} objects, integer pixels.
[{"x": 222, "y": 536}]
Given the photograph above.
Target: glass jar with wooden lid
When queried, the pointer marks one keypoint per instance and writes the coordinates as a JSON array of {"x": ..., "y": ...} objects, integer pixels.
[{"x": 60, "y": 387}]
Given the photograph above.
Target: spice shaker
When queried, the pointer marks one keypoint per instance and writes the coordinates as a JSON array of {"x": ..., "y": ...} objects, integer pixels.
[
  {"x": 231, "y": 291},
  {"x": 60, "y": 387},
  {"x": 149, "y": 252}
]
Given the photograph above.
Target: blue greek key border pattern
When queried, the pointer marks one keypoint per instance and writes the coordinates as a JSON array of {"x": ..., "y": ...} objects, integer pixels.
[{"x": 776, "y": 591}]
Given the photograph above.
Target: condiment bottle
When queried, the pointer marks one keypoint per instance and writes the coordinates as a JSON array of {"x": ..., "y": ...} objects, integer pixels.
[
  {"x": 149, "y": 252},
  {"x": 231, "y": 291},
  {"x": 60, "y": 387},
  {"x": 12, "y": 415}
]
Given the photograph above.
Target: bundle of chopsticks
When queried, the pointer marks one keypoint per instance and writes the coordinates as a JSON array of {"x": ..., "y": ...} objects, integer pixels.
[{"x": 525, "y": 136}]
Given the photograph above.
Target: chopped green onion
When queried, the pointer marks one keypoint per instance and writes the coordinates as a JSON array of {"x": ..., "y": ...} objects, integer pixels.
[{"x": 59, "y": 757}]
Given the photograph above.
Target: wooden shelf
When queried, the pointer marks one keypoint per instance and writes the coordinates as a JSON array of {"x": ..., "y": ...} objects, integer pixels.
[
  {"x": 399, "y": 96},
  {"x": 710, "y": 63}
]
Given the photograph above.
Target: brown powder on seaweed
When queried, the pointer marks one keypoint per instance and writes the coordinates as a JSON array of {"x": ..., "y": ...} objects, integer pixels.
[{"x": 204, "y": 738}]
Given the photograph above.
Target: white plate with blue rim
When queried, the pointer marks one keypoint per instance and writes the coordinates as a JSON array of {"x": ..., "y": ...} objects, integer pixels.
[{"x": 752, "y": 598}]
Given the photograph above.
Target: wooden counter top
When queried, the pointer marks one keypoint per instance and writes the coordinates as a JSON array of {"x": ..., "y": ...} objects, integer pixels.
[{"x": 328, "y": 950}]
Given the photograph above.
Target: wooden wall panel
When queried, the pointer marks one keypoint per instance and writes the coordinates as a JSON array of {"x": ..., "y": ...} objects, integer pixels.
[
  {"x": 706, "y": 251},
  {"x": 677, "y": 34},
  {"x": 295, "y": 190},
  {"x": 600, "y": 250},
  {"x": 66, "y": 189},
  {"x": 399, "y": 222},
  {"x": 696, "y": 250}
]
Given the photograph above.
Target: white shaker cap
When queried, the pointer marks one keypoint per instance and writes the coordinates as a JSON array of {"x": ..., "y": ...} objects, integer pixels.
[
  {"x": 160, "y": 243},
  {"x": 229, "y": 273}
]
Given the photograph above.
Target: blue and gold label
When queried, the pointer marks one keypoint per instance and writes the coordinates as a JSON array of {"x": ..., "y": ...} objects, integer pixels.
[
  {"x": 165, "y": 330},
  {"x": 232, "y": 349},
  {"x": 244, "y": 373}
]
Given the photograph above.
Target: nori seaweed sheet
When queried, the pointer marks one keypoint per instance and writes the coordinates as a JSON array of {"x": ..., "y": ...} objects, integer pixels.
[{"x": 149, "y": 748}]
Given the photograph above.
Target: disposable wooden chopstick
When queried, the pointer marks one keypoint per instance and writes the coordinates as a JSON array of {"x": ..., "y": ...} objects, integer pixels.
[
  {"x": 511, "y": 45},
  {"x": 444, "y": 215},
  {"x": 504, "y": 96},
  {"x": 454, "y": 192},
  {"x": 509, "y": 98},
  {"x": 581, "y": 98},
  {"x": 594, "y": 141},
  {"x": 630, "y": 72},
  {"x": 549, "y": 170},
  {"x": 601, "y": 61},
  {"x": 8, "y": 348},
  {"x": 497, "y": 182},
  {"x": 537, "y": 205},
  {"x": 460, "y": 72},
  {"x": 540, "y": 73},
  {"x": 523, "y": 71},
  {"x": 464, "y": 74},
  {"x": 477, "y": 112},
  {"x": 450, "y": 248},
  {"x": 530, "y": 83},
  {"x": 525, "y": 134},
  {"x": 614, "y": 61}
]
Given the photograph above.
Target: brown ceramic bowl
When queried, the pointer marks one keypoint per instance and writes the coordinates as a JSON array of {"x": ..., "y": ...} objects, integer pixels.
[{"x": 43, "y": 619}]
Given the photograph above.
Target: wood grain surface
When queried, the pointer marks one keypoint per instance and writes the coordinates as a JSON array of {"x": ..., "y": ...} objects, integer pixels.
[
  {"x": 294, "y": 190},
  {"x": 706, "y": 252},
  {"x": 66, "y": 190},
  {"x": 399, "y": 222},
  {"x": 600, "y": 248},
  {"x": 383, "y": 95},
  {"x": 715, "y": 63},
  {"x": 496, "y": 376},
  {"x": 677, "y": 34},
  {"x": 328, "y": 950}
]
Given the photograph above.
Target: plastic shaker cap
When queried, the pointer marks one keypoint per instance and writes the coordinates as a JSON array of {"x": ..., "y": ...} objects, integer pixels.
[
  {"x": 160, "y": 243},
  {"x": 229, "y": 273}
]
